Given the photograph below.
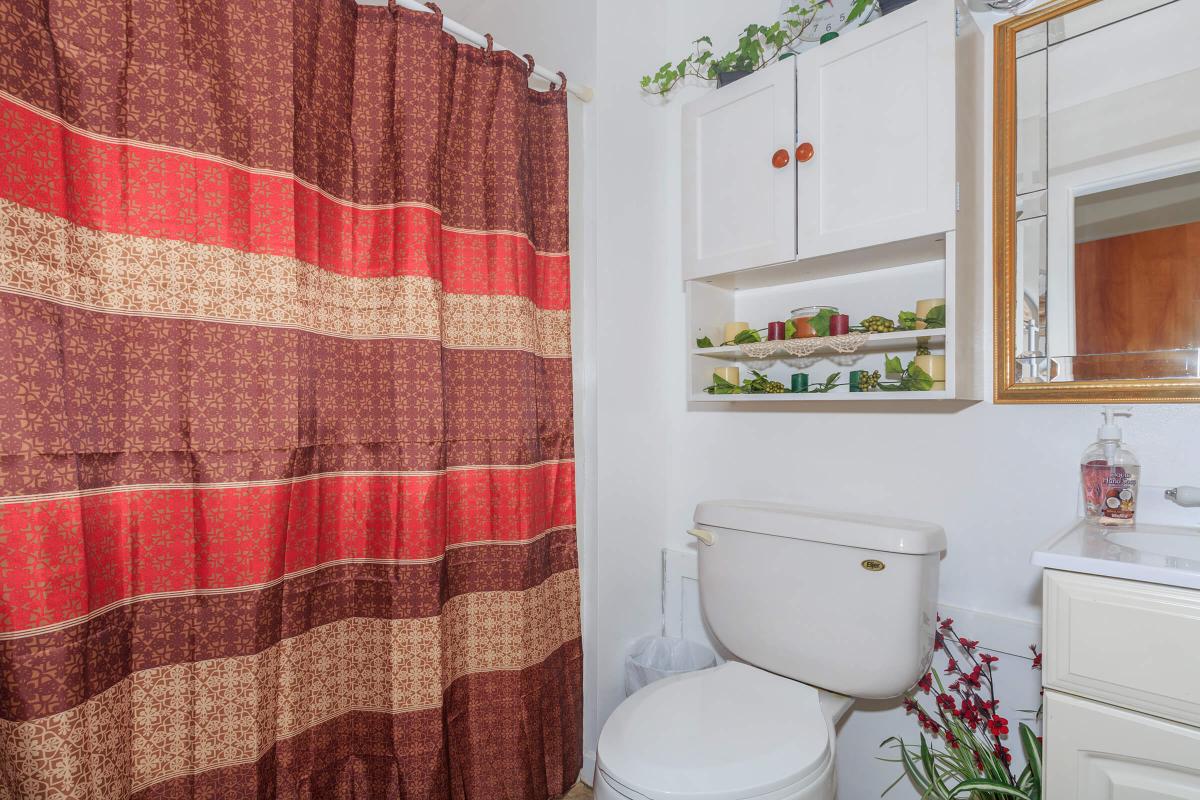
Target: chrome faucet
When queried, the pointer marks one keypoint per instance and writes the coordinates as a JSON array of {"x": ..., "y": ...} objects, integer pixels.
[{"x": 1186, "y": 496}]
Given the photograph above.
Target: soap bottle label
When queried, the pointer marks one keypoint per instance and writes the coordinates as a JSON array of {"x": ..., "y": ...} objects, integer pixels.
[{"x": 1120, "y": 497}]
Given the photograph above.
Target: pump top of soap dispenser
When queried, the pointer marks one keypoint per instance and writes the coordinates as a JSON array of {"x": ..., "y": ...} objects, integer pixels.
[{"x": 1109, "y": 431}]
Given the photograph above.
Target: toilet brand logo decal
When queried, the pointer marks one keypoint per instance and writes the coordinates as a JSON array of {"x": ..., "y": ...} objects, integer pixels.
[{"x": 872, "y": 565}]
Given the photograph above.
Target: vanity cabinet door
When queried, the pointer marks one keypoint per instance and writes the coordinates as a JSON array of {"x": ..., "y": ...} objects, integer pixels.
[
  {"x": 739, "y": 177},
  {"x": 1096, "y": 752},
  {"x": 877, "y": 109}
]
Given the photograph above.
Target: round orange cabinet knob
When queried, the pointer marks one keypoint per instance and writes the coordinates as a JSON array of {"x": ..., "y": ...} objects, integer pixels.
[
  {"x": 780, "y": 159},
  {"x": 804, "y": 152}
]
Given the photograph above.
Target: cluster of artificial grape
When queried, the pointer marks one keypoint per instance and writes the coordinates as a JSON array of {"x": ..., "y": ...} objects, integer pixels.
[
  {"x": 868, "y": 381},
  {"x": 775, "y": 387},
  {"x": 877, "y": 324}
]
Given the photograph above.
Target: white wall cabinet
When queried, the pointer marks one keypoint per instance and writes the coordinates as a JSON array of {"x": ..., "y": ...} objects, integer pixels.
[
  {"x": 1120, "y": 672},
  {"x": 741, "y": 195},
  {"x": 834, "y": 178},
  {"x": 846, "y": 146}
]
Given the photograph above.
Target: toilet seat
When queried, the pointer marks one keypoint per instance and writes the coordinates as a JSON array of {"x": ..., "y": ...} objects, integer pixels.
[{"x": 728, "y": 733}]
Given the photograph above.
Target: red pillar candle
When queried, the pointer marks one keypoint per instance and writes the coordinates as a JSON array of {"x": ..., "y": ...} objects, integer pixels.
[
  {"x": 839, "y": 324},
  {"x": 775, "y": 331}
]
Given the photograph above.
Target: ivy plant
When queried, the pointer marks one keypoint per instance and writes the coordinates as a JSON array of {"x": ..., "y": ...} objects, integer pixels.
[{"x": 758, "y": 46}]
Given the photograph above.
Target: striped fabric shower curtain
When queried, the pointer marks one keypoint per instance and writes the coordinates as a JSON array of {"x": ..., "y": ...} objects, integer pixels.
[{"x": 286, "y": 469}]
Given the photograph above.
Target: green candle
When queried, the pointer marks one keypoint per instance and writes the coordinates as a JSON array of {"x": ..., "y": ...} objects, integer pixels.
[{"x": 799, "y": 382}]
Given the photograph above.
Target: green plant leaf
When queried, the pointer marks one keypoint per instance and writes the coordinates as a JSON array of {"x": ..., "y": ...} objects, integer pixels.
[
  {"x": 893, "y": 365},
  {"x": 789, "y": 329},
  {"x": 936, "y": 318},
  {"x": 1033, "y": 757},
  {"x": 981, "y": 785},
  {"x": 722, "y": 386},
  {"x": 919, "y": 380},
  {"x": 704, "y": 341},
  {"x": 906, "y": 321},
  {"x": 858, "y": 8},
  {"x": 820, "y": 323},
  {"x": 747, "y": 337}
]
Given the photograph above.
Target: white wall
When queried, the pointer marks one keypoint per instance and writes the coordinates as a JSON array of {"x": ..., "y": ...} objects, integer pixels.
[{"x": 1000, "y": 479}]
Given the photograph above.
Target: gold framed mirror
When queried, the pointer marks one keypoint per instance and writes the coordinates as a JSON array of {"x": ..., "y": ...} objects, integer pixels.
[{"x": 1096, "y": 203}]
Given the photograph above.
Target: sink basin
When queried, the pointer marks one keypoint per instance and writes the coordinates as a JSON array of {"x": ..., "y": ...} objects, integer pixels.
[
  {"x": 1164, "y": 554},
  {"x": 1171, "y": 545}
]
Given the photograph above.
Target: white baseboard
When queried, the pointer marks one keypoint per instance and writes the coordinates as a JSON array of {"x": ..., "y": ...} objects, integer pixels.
[{"x": 588, "y": 773}]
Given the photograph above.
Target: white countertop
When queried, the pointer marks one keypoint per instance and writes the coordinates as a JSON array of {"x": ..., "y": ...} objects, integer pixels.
[{"x": 1163, "y": 554}]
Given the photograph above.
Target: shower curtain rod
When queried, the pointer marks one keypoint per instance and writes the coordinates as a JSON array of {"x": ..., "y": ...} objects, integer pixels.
[{"x": 459, "y": 30}]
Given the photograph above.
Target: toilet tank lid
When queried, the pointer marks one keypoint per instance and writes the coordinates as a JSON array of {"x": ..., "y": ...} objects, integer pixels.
[{"x": 867, "y": 531}]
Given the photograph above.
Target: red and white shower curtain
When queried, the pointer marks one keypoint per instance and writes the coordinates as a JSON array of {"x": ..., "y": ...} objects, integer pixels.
[{"x": 286, "y": 469}]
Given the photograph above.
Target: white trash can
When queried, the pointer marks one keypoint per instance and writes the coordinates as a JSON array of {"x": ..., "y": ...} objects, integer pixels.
[{"x": 653, "y": 658}]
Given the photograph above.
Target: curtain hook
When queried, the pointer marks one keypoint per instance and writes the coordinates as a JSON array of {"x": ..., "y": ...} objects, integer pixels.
[
  {"x": 562, "y": 86},
  {"x": 529, "y": 59},
  {"x": 490, "y": 42}
]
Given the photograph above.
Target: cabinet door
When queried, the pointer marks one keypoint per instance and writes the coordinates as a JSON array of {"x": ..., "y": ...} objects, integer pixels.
[
  {"x": 1097, "y": 752},
  {"x": 877, "y": 108},
  {"x": 739, "y": 197}
]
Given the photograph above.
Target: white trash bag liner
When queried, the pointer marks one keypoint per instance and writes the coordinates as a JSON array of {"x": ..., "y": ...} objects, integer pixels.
[{"x": 653, "y": 658}]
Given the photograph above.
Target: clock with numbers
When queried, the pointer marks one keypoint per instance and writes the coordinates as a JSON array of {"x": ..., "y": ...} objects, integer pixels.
[{"x": 830, "y": 16}]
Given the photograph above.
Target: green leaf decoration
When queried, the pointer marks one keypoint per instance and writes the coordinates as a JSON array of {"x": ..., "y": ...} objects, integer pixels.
[
  {"x": 722, "y": 386},
  {"x": 906, "y": 321},
  {"x": 704, "y": 341},
  {"x": 828, "y": 386},
  {"x": 936, "y": 318},
  {"x": 789, "y": 330},
  {"x": 820, "y": 323},
  {"x": 918, "y": 379},
  {"x": 858, "y": 8},
  {"x": 747, "y": 337},
  {"x": 892, "y": 365}
]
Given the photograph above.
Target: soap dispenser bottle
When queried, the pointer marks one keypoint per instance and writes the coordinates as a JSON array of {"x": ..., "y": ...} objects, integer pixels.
[{"x": 1110, "y": 473}]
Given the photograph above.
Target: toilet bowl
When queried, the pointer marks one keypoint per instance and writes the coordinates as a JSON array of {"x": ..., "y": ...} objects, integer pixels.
[
  {"x": 803, "y": 598},
  {"x": 732, "y": 732}
]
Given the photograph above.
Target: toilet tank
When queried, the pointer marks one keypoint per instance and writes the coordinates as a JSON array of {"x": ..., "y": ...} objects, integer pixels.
[{"x": 846, "y": 602}]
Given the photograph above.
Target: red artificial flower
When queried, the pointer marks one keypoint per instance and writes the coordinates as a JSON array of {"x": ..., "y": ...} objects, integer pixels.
[
  {"x": 988, "y": 658},
  {"x": 1037, "y": 661},
  {"x": 1002, "y": 753},
  {"x": 951, "y": 665},
  {"x": 973, "y": 677},
  {"x": 998, "y": 726},
  {"x": 926, "y": 682},
  {"x": 946, "y": 623},
  {"x": 978, "y": 761},
  {"x": 967, "y": 644},
  {"x": 946, "y": 702},
  {"x": 909, "y": 705},
  {"x": 939, "y": 642},
  {"x": 951, "y": 741}
]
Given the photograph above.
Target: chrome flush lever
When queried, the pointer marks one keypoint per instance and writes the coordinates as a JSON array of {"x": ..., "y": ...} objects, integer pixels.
[{"x": 1186, "y": 496}]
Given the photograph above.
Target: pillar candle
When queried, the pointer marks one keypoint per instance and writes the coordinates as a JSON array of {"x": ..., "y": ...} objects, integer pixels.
[
  {"x": 730, "y": 374},
  {"x": 775, "y": 331},
  {"x": 799, "y": 381},
  {"x": 927, "y": 305},
  {"x": 732, "y": 329},
  {"x": 855, "y": 377},
  {"x": 839, "y": 324}
]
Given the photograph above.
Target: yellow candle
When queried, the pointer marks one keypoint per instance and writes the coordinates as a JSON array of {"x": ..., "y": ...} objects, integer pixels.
[
  {"x": 730, "y": 374},
  {"x": 732, "y": 329},
  {"x": 927, "y": 305},
  {"x": 935, "y": 367}
]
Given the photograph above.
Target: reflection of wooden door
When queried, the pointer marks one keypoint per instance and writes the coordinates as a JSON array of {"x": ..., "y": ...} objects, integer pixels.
[{"x": 1135, "y": 293}]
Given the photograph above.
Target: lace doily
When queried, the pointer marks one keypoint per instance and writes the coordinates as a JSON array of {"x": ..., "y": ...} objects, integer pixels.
[{"x": 846, "y": 343}]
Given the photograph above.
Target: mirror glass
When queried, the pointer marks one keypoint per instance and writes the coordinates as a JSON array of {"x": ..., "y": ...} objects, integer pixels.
[{"x": 1107, "y": 185}]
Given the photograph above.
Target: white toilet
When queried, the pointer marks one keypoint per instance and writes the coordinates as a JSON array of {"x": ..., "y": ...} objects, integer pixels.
[{"x": 822, "y": 607}]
